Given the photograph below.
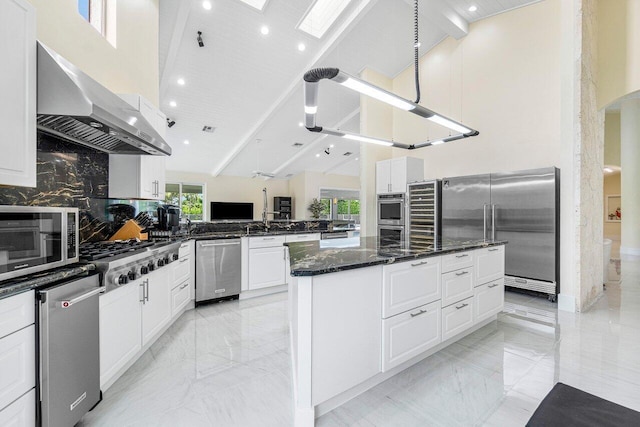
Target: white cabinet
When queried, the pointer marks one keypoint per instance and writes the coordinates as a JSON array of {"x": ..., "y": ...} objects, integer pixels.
[
  {"x": 156, "y": 307},
  {"x": 410, "y": 284},
  {"x": 311, "y": 237},
  {"x": 21, "y": 413},
  {"x": 136, "y": 177},
  {"x": 17, "y": 365},
  {"x": 180, "y": 297},
  {"x": 266, "y": 267},
  {"x": 409, "y": 334},
  {"x": 155, "y": 117},
  {"x": 16, "y": 312},
  {"x": 18, "y": 89},
  {"x": 457, "y": 285},
  {"x": 488, "y": 300},
  {"x": 489, "y": 264},
  {"x": 267, "y": 262},
  {"x": 457, "y": 261},
  {"x": 392, "y": 176},
  {"x": 120, "y": 328},
  {"x": 457, "y": 318},
  {"x": 130, "y": 318}
]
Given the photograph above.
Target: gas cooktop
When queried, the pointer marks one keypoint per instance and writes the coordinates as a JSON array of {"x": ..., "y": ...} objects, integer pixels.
[{"x": 94, "y": 251}]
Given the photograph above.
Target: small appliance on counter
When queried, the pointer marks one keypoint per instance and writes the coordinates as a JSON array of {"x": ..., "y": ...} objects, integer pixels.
[
  {"x": 168, "y": 217},
  {"x": 34, "y": 239}
]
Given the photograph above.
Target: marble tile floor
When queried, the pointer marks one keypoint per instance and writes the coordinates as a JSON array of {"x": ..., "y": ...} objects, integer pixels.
[{"x": 228, "y": 365}]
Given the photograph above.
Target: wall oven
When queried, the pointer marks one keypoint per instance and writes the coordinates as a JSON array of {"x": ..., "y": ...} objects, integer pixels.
[
  {"x": 391, "y": 236},
  {"x": 391, "y": 209},
  {"x": 34, "y": 238}
]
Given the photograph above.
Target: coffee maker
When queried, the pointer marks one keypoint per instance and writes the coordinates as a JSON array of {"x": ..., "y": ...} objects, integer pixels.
[{"x": 168, "y": 217}]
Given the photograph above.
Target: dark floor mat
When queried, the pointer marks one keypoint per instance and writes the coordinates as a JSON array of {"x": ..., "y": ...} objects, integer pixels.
[{"x": 566, "y": 406}]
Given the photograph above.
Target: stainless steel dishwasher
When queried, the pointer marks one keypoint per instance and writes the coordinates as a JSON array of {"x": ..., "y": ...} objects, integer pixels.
[
  {"x": 69, "y": 331},
  {"x": 218, "y": 265}
]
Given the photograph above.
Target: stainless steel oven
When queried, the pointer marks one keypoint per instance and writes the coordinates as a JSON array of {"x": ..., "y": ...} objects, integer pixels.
[
  {"x": 391, "y": 236},
  {"x": 391, "y": 209},
  {"x": 34, "y": 239}
]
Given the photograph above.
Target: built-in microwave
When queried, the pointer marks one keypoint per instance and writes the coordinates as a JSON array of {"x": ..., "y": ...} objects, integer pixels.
[
  {"x": 34, "y": 239},
  {"x": 391, "y": 209}
]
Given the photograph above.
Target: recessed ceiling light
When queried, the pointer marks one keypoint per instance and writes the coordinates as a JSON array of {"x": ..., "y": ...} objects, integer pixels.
[
  {"x": 473, "y": 8},
  {"x": 317, "y": 155},
  {"x": 321, "y": 16},
  {"x": 181, "y": 81},
  {"x": 300, "y": 124},
  {"x": 356, "y": 158},
  {"x": 186, "y": 142},
  {"x": 264, "y": 30},
  {"x": 206, "y": 5},
  {"x": 258, "y": 4},
  {"x": 301, "y": 47},
  {"x": 331, "y": 146},
  {"x": 173, "y": 103}
]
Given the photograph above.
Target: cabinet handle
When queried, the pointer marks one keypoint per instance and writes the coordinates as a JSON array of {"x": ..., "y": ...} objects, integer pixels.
[
  {"x": 418, "y": 313},
  {"x": 494, "y": 285},
  {"x": 462, "y": 273},
  {"x": 146, "y": 297},
  {"x": 184, "y": 245},
  {"x": 268, "y": 238},
  {"x": 143, "y": 291},
  {"x": 184, "y": 259},
  {"x": 458, "y": 307},
  {"x": 494, "y": 249},
  {"x": 462, "y": 256},
  {"x": 420, "y": 263},
  {"x": 184, "y": 286}
]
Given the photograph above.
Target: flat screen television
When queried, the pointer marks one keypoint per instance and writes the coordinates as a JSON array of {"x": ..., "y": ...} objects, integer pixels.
[{"x": 231, "y": 210}]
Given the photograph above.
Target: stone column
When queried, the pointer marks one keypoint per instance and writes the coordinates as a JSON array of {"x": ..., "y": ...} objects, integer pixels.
[{"x": 630, "y": 165}]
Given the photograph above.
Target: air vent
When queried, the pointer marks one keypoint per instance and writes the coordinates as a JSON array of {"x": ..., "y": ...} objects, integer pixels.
[
  {"x": 348, "y": 153},
  {"x": 209, "y": 129},
  {"x": 289, "y": 175},
  {"x": 297, "y": 145}
]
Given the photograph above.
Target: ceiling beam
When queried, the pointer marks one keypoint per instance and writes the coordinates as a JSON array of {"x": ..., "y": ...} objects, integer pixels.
[
  {"x": 179, "y": 25},
  {"x": 296, "y": 84},
  {"x": 313, "y": 143}
]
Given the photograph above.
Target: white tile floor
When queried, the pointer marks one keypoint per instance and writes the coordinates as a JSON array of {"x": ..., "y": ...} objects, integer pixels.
[{"x": 228, "y": 365}]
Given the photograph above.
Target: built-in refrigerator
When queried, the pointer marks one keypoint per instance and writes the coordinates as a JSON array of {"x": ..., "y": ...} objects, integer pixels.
[{"x": 521, "y": 207}]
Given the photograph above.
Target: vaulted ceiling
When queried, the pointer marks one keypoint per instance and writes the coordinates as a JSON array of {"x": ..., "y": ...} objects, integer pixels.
[{"x": 248, "y": 86}]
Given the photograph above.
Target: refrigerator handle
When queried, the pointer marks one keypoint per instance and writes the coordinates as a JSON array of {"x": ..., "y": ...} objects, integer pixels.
[
  {"x": 493, "y": 222},
  {"x": 484, "y": 217}
]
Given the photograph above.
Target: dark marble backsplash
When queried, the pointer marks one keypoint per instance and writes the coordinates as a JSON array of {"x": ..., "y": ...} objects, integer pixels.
[{"x": 69, "y": 175}]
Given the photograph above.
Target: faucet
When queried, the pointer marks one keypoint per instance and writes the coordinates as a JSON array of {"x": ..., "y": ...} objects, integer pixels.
[{"x": 265, "y": 213}]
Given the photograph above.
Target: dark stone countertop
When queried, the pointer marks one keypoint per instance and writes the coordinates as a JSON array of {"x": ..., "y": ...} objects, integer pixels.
[
  {"x": 314, "y": 258},
  {"x": 18, "y": 285},
  {"x": 238, "y": 234}
]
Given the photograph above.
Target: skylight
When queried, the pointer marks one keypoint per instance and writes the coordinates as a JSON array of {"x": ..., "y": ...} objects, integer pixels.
[
  {"x": 321, "y": 16},
  {"x": 258, "y": 4}
]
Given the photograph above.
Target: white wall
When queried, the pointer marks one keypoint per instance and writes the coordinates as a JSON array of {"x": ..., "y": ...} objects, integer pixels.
[
  {"x": 306, "y": 185},
  {"x": 131, "y": 67},
  {"x": 234, "y": 189}
]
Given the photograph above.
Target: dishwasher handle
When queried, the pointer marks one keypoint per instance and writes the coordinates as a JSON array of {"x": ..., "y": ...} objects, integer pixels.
[
  {"x": 78, "y": 298},
  {"x": 208, "y": 245}
]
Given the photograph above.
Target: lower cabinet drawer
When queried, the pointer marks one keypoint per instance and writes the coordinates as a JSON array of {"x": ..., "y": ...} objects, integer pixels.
[
  {"x": 457, "y": 318},
  {"x": 16, "y": 312},
  {"x": 21, "y": 413},
  {"x": 181, "y": 270},
  {"x": 17, "y": 365},
  {"x": 457, "y": 285},
  {"x": 180, "y": 296},
  {"x": 488, "y": 300},
  {"x": 408, "y": 334}
]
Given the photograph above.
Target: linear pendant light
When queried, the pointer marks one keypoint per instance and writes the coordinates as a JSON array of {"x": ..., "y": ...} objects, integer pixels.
[{"x": 312, "y": 79}]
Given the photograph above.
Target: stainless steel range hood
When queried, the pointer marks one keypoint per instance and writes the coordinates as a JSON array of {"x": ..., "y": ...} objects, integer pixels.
[{"x": 75, "y": 107}]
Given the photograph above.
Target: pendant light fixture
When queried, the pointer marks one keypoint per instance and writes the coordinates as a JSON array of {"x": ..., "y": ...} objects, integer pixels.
[{"x": 313, "y": 77}]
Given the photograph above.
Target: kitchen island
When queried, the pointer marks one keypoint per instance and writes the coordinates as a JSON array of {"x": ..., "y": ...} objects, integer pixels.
[{"x": 360, "y": 315}]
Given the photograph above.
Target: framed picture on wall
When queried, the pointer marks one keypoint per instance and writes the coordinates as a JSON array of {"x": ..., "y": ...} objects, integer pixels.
[{"x": 614, "y": 205}]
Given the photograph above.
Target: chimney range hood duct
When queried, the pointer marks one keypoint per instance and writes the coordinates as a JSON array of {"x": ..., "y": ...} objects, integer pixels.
[{"x": 73, "y": 106}]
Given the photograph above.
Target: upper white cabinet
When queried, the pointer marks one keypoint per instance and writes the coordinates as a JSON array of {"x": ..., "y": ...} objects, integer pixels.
[
  {"x": 136, "y": 177},
  {"x": 155, "y": 117},
  {"x": 392, "y": 176},
  {"x": 18, "y": 89}
]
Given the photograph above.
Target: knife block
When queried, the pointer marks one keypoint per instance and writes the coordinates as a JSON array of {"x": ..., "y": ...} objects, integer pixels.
[{"x": 130, "y": 230}]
